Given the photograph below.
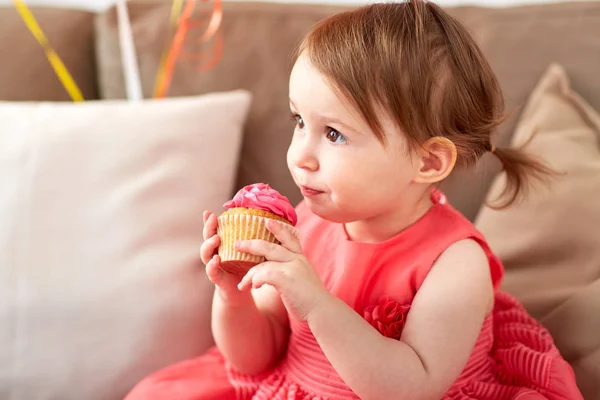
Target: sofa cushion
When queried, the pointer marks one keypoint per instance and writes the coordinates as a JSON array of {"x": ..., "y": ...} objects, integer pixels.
[
  {"x": 259, "y": 39},
  {"x": 26, "y": 74},
  {"x": 101, "y": 205},
  {"x": 520, "y": 42},
  {"x": 549, "y": 242}
]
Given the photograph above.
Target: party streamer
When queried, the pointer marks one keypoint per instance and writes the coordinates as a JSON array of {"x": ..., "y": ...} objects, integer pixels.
[
  {"x": 176, "y": 9},
  {"x": 181, "y": 23},
  {"x": 59, "y": 67}
]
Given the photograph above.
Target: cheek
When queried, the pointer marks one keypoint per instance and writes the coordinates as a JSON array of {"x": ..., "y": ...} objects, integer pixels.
[
  {"x": 346, "y": 175},
  {"x": 376, "y": 168},
  {"x": 291, "y": 160},
  {"x": 382, "y": 177}
]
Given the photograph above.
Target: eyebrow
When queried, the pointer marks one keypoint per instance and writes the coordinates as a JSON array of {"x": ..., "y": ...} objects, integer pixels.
[
  {"x": 332, "y": 120},
  {"x": 340, "y": 123}
]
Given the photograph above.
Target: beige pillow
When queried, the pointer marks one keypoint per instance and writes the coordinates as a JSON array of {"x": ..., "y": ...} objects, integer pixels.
[
  {"x": 550, "y": 242},
  {"x": 100, "y": 277}
]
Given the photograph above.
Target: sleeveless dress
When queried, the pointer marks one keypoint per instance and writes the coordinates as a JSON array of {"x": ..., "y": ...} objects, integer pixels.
[{"x": 514, "y": 356}]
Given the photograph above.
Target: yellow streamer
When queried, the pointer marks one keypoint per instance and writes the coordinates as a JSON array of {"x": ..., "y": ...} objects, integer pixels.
[{"x": 59, "y": 68}]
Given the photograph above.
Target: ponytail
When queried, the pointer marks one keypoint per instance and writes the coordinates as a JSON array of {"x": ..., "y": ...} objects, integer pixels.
[{"x": 519, "y": 169}]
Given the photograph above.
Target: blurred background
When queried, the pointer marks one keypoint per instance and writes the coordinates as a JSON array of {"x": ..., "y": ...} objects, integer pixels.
[
  {"x": 103, "y": 4},
  {"x": 101, "y": 201}
]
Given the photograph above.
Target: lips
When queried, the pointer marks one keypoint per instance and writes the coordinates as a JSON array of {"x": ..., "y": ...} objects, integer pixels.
[{"x": 310, "y": 192}]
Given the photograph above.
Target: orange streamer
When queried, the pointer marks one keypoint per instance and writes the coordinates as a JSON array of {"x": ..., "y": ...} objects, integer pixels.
[
  {"x": 173, "y": 23},
  {"x": 184, "y": 26}
]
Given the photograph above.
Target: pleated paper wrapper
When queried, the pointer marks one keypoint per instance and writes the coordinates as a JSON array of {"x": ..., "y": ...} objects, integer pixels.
[{"x": 240, "y": 226}]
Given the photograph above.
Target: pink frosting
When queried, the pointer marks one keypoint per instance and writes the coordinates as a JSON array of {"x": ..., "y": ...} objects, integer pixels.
[{"x": 263, "y": 197}]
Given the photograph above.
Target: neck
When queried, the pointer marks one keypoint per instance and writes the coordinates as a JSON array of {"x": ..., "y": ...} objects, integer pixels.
[{"x": 387, "y": 225}]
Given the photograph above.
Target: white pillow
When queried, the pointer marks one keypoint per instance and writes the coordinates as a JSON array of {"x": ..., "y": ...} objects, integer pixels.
[{"x": 100, "y": 226}]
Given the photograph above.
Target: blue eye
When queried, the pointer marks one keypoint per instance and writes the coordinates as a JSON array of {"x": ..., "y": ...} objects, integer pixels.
[{"x": 335, "y": 137}]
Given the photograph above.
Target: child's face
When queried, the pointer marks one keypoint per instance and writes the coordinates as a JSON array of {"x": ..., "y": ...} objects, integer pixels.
[{"x": 343, "y": 170}]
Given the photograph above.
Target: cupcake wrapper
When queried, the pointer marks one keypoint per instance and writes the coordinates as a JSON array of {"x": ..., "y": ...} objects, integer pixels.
[{"x": 234, "y": 227}]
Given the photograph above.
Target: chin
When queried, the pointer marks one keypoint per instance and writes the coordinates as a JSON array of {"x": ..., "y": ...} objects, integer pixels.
[{"x": 329, "y": 213}]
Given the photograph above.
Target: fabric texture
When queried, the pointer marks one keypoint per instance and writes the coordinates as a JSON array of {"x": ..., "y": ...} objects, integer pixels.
[
  {"x": 550, "y": 241},
  {"x": 101, "y": 207},
  {"x": 258, "y": 43},
  {"x": 519, "y": 43},
  {"x": 26, "y": 74},
  {"x": 514, "y": 357}
]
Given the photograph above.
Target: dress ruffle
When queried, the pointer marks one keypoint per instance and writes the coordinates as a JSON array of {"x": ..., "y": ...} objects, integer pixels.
[{"x": 525, "y": 363}]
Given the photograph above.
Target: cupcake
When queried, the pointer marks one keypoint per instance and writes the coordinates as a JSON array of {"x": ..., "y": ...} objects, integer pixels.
[{"x": 245, "y": 218}]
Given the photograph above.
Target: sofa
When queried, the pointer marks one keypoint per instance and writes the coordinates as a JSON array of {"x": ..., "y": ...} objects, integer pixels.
[{"x": 101, "y": 201}]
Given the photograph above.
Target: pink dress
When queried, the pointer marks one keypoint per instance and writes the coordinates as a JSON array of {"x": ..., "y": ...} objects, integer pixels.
[{"x": 514, "y": 357}]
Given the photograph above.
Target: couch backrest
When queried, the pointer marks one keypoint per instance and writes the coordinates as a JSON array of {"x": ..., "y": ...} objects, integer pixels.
[
  {"x": 260, "y": 37},
  {"x": 26, "y": 75}
]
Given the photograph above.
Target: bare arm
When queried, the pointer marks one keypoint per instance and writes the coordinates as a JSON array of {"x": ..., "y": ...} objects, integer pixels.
[
  {"x": 249, "y": 328},
  {"x": 442, "y": 327}
]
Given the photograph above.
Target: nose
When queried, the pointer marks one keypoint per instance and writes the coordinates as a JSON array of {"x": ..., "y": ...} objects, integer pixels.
[{"x": 303, "y": 153}]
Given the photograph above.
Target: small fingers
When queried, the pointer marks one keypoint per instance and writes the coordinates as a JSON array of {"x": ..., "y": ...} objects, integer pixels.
[
  {"x": 267, "y": 273},
  {"x": 213, "y": 270},
  {"x": 210, "y": 225},
  {"x": 209, "y": 247},
  {"x": 205, "y": 216},
  {"x": 284, "y": 236},
  {"x": 246, "y": 282},
  {"x": 271, "y": 251}
]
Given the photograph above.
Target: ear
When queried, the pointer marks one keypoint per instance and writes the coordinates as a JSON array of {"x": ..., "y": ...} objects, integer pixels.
[{"x": 437, "y": 158}]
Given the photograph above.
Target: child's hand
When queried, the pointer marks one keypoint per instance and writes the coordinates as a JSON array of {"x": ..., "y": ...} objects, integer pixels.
[
  {"x": 225, "y": 281},
  {"x": 211, "y": 240},
  {"x": 287, "y": 270}
]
